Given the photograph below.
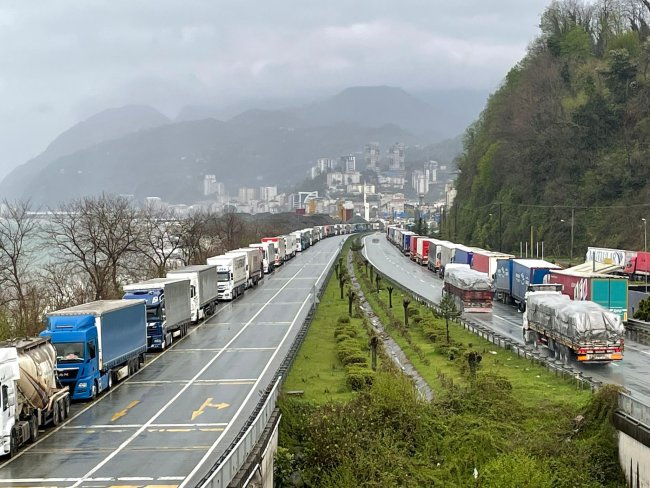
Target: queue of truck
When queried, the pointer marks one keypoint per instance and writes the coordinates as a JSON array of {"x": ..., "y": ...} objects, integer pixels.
[
  {"x": 576, "y": 313},
  {"x": 86, "y": 349}
]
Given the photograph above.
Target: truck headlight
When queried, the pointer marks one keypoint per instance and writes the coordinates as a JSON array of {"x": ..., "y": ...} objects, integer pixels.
[
  {"x": 82, "y": 385},
  {"x": 154, "y": 300}
]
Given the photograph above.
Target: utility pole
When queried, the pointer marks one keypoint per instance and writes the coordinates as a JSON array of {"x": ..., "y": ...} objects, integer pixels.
[
  {"x": 500, "y": 231},
  {"x": 645, "y": 249},
  {"x": 573, "y": 214}
]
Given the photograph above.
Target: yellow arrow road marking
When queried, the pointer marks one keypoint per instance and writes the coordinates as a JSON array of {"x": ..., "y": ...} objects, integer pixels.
[
  {"x": 208, "y": 403},
  {"x": 122, "y": 413}
]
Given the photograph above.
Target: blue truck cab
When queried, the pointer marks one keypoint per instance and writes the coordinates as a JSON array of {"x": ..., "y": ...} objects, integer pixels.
[{"x": 97, "y": 343}]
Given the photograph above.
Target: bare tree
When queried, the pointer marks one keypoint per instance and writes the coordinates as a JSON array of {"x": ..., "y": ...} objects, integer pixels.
[
  {"x": 231, "y": 229},
  {"x": 159, "y": 239},
  {"x": 63, "y": 286},
  {"x": 94, "y": 235},
  {"x": 199, "y": 238},
  {"x": 18, "y": 235}
]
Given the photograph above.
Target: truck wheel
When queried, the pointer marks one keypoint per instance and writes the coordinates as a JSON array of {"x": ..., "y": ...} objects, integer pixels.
[
  {"x": 13, "y": 444},
  {"x": 110, "y": 380},
  {"x": 66, "y": 407},
  {"x": 93, "y": 391},
  {"x": 56, "y": 415},
  {"x": 33, "y": 429}
]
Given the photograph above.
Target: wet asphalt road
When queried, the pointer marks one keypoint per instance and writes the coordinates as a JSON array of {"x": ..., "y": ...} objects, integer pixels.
[
  {"x": 181, "y": 410},
  {"x": 633, "y": 372}
]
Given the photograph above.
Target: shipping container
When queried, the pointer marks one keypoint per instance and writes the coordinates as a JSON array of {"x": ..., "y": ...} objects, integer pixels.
[
  {"x": 527, "y": 272},
  {"x": 606, "y": 290},
  {"x": 486, "y": 261}
]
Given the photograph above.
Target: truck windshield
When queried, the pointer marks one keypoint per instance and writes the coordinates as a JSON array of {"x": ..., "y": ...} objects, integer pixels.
[
  {"x": 154, "y": 314},
  {"x": 223, "y": 276},
  {"x": 69, "y": 352}
]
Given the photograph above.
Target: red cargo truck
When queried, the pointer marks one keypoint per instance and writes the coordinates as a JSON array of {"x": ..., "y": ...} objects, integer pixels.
[
  {"x": 422, "y": 253},
  {"x": 486, "y": 261},
  {"x": 638, "y": 265},
  {"x": 413, "y": 246}
]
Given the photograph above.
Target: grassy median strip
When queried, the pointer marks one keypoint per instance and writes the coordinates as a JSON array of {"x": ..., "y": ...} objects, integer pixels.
[{"x": 334, "y": 357}]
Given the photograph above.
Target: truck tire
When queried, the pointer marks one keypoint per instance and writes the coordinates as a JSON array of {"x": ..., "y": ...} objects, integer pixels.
[
  {"x": 110, "y": 380},
  {"x": 33, "y": 429},
  {"x": 13, "y": 444},
  {"x": 66, "y": 407},
  {"x": 93, "y": 392},
  {"x": 56, "y": 415}
]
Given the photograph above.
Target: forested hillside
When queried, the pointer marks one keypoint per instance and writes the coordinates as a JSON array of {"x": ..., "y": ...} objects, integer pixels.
[{"x": 568, "y": 128}]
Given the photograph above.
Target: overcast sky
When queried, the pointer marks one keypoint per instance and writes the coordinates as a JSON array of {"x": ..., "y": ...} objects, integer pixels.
[{"x": 63, "y": 60}]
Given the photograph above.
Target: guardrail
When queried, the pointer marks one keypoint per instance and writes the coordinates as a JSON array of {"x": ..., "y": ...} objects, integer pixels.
[
  {"x": 226, "y": 467},
  {"x": 638, "y": 330},
  {"x": 631, "y": 406}
]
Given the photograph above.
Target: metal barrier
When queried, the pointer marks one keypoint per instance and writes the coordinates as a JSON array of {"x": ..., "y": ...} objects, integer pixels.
[
  {"x": 638, "y": 331},
  {"x": 633, "y": 408},
  {"x": 226, "y": 467}
]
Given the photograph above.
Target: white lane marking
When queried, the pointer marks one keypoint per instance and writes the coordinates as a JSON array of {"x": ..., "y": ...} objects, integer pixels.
[
  {"x": 645, "y": 352},
  {"x": 105, "y": 396},
  {"x": 207, "y": 382},
  {"x": 255, "y": 387},
  {"x": 131, "y": 438},
  {"x": 137, "y": 426}
]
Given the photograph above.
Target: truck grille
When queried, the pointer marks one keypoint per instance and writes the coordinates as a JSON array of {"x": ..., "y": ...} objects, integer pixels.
[{"x": 67, "y": 374}]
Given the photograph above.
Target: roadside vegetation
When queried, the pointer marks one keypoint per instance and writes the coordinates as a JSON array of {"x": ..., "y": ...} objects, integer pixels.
[
  {"x": 511, "y": 421},
  {"x": 568, "y": 129}
]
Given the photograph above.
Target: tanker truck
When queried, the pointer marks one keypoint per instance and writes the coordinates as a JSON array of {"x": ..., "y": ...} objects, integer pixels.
[{"x": 31, "y": 396}]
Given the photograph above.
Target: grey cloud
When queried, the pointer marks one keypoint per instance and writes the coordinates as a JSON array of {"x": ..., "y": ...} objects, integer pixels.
[{"x": 81, "y": 56}]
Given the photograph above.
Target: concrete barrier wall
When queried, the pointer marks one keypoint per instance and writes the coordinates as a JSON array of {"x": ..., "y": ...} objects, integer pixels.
[{"x": 635, "y": 461}]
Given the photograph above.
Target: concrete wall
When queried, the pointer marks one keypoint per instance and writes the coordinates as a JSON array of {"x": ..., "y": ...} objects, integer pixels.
[{"x": 635, "y": 461}]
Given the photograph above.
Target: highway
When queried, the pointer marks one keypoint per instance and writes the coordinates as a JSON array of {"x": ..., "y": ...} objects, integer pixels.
[
  {"x": 187, "y": 404},
  {"x": 633, "y": 372}
]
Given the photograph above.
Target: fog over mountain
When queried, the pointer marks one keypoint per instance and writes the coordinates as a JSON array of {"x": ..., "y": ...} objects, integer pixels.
[{"x": 137, "y": 150}]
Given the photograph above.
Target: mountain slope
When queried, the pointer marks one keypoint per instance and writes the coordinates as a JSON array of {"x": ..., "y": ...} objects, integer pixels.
[
  {"x": 568, "y": 129},
  {"x": 103, "y": 126},
  {"x": 373, "y": 106},
  {"x": 170, "y": 161}
]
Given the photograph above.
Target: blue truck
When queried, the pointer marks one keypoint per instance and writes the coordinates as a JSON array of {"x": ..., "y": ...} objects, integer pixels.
[
  {"x": 97, "y": 344},
  {"x": 463, "y": 255},
  {"x": 514, "y": 276},
  {"x": 168, "y": 308}
]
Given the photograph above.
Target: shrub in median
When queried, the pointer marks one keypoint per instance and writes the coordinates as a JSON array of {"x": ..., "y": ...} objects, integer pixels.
[{"x": 359, "y": 377}]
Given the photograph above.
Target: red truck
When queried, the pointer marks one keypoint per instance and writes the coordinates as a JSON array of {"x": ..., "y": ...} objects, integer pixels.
[
  {"x": 606, "y": 290},
  {"x": 472, "y": 290},
  {"x": 638, "y": 265},
  {"x": 486, "y": 261},
  {"x": 422, "y": 252},
  {"x": 414, "y": 246}
]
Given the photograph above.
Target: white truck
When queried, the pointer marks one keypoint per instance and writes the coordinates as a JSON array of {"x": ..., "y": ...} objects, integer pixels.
[
  {"x": 31, "y": 396},
  {"x": 268, "y": 258},
  {"x": 254, "y": 266},
  {"x": 203, "y": 288},
  {"x": 290, "y": 246},
  {"x": 231, "y": 273},
  {"x": 168, "y": 308},
  {"x": 279, "y": 247}
]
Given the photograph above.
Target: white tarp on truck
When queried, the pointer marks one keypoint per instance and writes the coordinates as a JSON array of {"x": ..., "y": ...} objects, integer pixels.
[
  {"x": 464, "y": 278},
  {"x": 580, "y": 321}
]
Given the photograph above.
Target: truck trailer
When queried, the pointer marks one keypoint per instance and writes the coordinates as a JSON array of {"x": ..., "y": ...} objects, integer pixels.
[
  {"x": 97, "y": 344},
  {"x": 290, "y": 246},
  {"x": 472, "y": 290},
  {"x": 422, "y": 251},
  {"x": 486, "y": 261},
  {"x": 32, "y": 396},
  {"x": 279, "y": 247},
  {"x": 203, "y": 288},
  {"x": 413, "y": 246},
  {"x": 514, "y": 276},
  {"x": 570, "y": 329},
  {"x": 169, "y": 312},
  {"x": 231, "y": 275},
  {"x": 268, "y": 255},
  {"x": 254, "y": 266},
  {"x": 606, "y": 290}
]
